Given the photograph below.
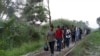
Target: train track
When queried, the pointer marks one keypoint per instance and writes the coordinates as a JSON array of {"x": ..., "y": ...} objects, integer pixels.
[
  {"x": 65, "y": 52},
  {"x": 72, "y": 48}
]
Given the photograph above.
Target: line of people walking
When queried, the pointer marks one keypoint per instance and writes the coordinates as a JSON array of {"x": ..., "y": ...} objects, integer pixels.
[{"x": 62, "y": 36}]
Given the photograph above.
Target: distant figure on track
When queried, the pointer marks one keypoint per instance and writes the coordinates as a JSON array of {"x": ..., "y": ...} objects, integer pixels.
[
  {"x": 80, "y": 34},
  {"x": 59, "y": 37},
  {"x": 73, "y": 33},
  {"x": 51, "y": 39},
  {"x": 77, "y": 33}
]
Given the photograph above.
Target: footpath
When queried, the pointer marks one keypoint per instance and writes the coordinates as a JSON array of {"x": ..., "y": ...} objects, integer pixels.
[
  {"x": 47, "y": 53},
  {"x": 64, "y": 52}
]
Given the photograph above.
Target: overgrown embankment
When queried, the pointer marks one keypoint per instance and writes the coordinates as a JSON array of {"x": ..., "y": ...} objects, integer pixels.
[
  {"x": 89, "y": 47},
  {"x": 17, "y": 38}
]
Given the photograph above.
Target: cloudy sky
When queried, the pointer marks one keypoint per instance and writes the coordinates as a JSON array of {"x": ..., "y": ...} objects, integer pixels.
[{"x": 85, "y": 10}]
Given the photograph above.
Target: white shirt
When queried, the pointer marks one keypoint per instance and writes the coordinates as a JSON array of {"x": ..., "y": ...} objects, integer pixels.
[{"x": 67, "y": 32}]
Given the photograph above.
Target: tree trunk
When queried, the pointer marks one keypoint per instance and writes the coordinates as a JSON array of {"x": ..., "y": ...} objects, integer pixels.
[{"x": 49, "y": 12}]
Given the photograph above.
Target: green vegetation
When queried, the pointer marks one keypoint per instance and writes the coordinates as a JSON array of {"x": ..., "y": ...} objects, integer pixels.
[
  {"x": 18, "y": 38},
  {"x": 89, "y": 47},
  {"x": 23, "y": 49},
  {"x": 98, "y": 21},
  {"x": 69, "y": 23},
  {"x": 19, "y": 33}
]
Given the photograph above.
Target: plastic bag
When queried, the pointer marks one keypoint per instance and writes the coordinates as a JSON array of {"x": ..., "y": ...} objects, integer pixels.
[{"x": 46, "y": 48}]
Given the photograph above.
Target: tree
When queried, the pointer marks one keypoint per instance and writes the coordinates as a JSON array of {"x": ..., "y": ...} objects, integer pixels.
[
  {"x": 35, "y": 11},
  {"x": 98, "y": 21},
  {"x": 2, "y": 8},
  {"x": 82, "y": 24},
  {"x": 32, "y": 10},
  {"x": 7, "y": 7}
]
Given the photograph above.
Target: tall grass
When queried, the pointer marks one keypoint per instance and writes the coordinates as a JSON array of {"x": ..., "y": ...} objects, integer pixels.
[{"x": 23, "y": 49}]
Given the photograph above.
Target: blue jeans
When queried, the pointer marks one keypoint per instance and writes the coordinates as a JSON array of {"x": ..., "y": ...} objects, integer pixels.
[
  {"x": 67, "y": 42},
  {"x": 59, "y": 42}
]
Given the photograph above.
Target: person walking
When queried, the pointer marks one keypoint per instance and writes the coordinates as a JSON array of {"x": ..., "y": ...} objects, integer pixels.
[
  {"x": 51, "y": 39},
  {"x": 68, "y": 36},
  {"x": 64, "y": 36},
  {"x": 73, "y": 33},
  {"x": 59, "y": 37},
  {"x": 77, "y": 34},
  {"x": 80, "y": 34}
]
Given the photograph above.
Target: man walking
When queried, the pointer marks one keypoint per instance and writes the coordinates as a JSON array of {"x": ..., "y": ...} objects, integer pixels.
[{"x": 59, "y": 37}]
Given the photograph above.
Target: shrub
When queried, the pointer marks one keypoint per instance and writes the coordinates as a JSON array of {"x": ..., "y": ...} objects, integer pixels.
[{"x": 15, "y": 33}]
